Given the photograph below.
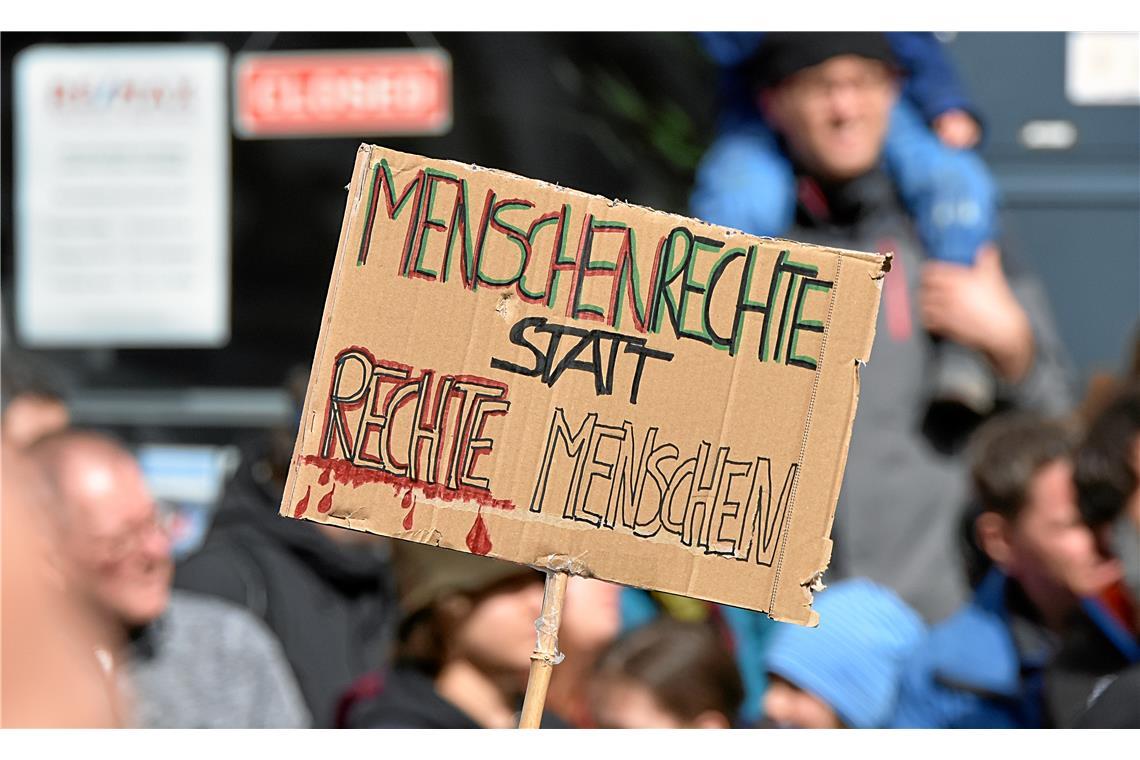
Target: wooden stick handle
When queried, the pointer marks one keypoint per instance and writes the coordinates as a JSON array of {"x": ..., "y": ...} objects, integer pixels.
[{"x": 546, "y": 654}]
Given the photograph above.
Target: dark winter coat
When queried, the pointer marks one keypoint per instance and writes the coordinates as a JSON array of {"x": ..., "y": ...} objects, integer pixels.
[{"x": 332, "y": 606}]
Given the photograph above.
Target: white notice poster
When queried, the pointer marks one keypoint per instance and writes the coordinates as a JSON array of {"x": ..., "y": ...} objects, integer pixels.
[
  {"x": 122, "y": 195},
  {"x": 1102, "y": 68}
]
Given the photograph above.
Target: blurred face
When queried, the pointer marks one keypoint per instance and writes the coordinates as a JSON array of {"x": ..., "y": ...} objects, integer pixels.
[
  {"x": 1050, "y": 545},
  {"x": 834, "y": 116},
  {"x": 789, "y": 706},
  {"x": 591, "y": 617},
  {"x": 498, "y": 633},
  {"x": 115, "y": 539},
  {"x": 622, "y": 703}
]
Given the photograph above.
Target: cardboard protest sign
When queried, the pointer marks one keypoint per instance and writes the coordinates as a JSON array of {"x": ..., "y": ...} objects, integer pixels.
[{"x": 510, "y": 368}]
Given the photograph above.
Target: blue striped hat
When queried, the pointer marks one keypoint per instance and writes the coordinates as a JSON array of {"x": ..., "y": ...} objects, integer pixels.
[{"x": 853, "y": 661}]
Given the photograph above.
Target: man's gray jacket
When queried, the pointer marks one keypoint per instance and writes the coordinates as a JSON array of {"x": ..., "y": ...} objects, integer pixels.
[{"x": 906, "y": 486}]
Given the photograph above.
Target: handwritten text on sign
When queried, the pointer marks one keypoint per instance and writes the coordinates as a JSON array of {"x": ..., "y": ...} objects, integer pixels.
[{"x": 515, "y": 369}]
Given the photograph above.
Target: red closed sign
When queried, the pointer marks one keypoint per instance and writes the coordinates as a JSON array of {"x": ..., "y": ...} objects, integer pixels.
[{"x": 357, "y": 94}]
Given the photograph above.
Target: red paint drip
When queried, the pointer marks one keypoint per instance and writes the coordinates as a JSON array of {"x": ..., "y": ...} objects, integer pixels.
[
  {"x": 325, "y": 504},
  {"x": 324, "y": 478},
  {"x": 303, "y": 504},
  {"x": 478, "y": 538},
  {"x": 347, "y": 473},
  {"x": 408, "y": 503}
]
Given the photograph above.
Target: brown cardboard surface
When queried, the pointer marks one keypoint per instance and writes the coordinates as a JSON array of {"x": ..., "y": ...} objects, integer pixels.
[{"x": 515, "y": 369}]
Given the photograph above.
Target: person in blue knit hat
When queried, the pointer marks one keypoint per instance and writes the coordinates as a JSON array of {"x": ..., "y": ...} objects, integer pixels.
[{"x": 844, "y": 673}]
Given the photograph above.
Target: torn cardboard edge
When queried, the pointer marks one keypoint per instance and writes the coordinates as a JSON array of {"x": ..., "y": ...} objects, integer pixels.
[{"x": 811, "y": 580}]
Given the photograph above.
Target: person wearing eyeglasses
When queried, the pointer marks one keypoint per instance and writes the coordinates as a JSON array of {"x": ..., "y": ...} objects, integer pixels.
[
  {"x": 829, "y": 98},
  {"x": 187, "y": 661}
]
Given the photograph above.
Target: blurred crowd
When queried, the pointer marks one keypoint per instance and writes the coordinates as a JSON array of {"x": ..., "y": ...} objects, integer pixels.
[{"x": 986, "y": 570}]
